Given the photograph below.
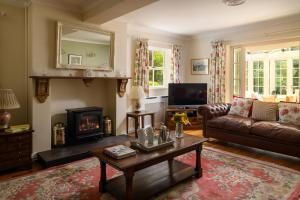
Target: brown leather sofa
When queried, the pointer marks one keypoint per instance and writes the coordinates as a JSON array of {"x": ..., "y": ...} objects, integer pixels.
[{"x": 267, "y": 135}]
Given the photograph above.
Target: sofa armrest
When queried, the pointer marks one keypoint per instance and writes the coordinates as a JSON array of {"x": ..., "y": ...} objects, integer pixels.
[{"x": 210, "y": 111}]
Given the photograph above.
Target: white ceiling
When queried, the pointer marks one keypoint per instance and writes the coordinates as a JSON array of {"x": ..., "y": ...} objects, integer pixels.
[{"x": 191, "y": 17}]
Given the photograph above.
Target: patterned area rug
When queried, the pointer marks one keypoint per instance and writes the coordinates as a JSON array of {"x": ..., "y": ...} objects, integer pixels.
[{"x": 225, "y": 176}]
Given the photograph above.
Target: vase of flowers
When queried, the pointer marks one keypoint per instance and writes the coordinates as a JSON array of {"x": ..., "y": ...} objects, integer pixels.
[{"x": 180, "y": 119}]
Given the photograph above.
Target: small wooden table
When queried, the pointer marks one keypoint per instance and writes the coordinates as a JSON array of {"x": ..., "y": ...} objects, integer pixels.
[
  {"x": 147, "y": 174},
  {"x": 136, "y": 116}
]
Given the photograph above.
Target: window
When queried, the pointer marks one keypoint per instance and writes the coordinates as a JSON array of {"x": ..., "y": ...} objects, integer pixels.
[
  {"x": 295, "y": 75},
  {"x": 271, "y": 70},
  {"x": 281, "y": 77},
  {"x": 159, "y": 62},
  {"x": 236, "y": 71},
  {"x": 258, "y": 77}
]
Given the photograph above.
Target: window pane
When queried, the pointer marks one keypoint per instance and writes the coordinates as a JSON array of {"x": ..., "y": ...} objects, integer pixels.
[
  {"x": 236, "y": 86},
  {"x": 277, "y": 82},
  {"x": 283, "y": 72},
  {"x": 295, "y": 81},
  {"x": 151, "y": 77},
  {"x": 261, "y": 90},
  {"x": 237, "y": 53},
  {"x": 158, "y": 78},
  {"x": 261, "y": 82},
  {"x": 255, "y": 89},
  {"x": 158, "y": 58},
  {"x": 277, "y": 72},
  {"x": 150, "y": 58},
  {"x": 255, "y": 82},
  {"x": 283, "y": 82},
  {"x": 295, "y": 72},
  {"x": 296, "y": 63},
  {"x": 294, "y": 89},
  {"x": 255, "y": 65}
]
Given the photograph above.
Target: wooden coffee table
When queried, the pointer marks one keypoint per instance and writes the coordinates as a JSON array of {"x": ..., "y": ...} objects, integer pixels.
[{"x": 147, "y": 174}]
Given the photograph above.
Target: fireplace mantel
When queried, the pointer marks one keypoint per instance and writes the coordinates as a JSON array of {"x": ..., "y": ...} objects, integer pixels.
[{"x": 42, "y": 84}]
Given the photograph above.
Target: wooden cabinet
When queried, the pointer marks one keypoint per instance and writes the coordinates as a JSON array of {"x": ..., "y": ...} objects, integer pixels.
[
  {"x": 15, "y": 150},
  {"x": 192, "y": 113}
]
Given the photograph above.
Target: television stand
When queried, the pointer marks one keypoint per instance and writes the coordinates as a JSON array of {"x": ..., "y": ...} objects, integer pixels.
[{"x": 193, "y": 116}]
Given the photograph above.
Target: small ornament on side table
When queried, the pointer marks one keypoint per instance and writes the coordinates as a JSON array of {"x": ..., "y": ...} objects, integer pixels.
[{"x": 180, "y": 119}]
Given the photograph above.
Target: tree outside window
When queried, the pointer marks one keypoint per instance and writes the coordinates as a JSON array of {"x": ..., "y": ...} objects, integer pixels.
[{"x": 156, "y": 68}]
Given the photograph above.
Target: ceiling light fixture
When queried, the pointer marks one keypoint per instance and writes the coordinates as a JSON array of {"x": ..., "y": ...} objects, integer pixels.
[{"x": 233, "y": 2}]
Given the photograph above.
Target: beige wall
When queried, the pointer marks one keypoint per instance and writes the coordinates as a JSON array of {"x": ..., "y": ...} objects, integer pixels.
[
  {"x": 69, "y": 93},
  {"x": 13, "y": 71}
]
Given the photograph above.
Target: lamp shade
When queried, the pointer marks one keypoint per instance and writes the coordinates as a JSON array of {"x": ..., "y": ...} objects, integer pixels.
[
  {"x": 137, "y": 92},
  {"x": 8, "y": 99}
]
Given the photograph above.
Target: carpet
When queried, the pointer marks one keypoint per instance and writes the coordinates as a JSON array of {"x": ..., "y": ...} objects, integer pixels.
[{"x": 225, "y": 176}]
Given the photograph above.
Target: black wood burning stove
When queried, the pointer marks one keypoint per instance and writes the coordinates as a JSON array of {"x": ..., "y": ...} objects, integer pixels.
[{"x": 84, "y": 124}]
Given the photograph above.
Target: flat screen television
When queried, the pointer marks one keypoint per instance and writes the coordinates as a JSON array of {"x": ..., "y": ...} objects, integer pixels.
[{"x": 187, "y": 94}]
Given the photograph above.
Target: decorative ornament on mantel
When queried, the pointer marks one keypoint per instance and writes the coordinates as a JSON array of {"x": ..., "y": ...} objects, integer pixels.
[{"x": 234, "y": 2}]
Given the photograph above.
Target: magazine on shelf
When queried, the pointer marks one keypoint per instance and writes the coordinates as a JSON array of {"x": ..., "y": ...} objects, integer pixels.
[{"x": 119, "y": 151}]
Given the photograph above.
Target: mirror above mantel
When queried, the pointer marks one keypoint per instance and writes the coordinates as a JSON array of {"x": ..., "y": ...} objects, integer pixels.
[{"x": 83, "y": 47}]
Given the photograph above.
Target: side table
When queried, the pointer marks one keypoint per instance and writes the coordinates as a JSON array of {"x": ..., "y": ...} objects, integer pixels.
[
  {"x": 136, "y": 116},
  {"x": 15, "y": 150}
]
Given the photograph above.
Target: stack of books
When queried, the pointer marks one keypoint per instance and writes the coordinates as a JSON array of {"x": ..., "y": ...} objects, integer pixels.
[
  {"x": 119, "y": 151},
  {"x": 18, "y": 128}
]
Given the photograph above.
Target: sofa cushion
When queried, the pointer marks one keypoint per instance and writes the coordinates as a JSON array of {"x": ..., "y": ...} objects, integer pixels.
[
  {"x": 277, "y": 131},
  {"x": 264, "y": 111},
  {"x": 232, "y": 123},
  {"x": 241, "y": 106},
  {"x": 289, "y": 113}
]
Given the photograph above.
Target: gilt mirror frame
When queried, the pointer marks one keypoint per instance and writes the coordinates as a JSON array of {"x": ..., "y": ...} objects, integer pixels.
[{"x": 61, "y": 65}]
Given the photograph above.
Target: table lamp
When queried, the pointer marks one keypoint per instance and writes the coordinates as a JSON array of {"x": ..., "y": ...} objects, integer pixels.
[
  {"x": 8, "y": 100},
  {"x": 137, "y": 93}
]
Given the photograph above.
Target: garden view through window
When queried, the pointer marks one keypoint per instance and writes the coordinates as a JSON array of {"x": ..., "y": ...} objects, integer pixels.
[
  {"x": 159, "y": 60},
  {"x": 269, "y": 70}
]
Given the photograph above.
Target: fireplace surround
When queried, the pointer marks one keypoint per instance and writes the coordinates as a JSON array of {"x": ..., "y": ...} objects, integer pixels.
[{"x": 84, "y": 124}]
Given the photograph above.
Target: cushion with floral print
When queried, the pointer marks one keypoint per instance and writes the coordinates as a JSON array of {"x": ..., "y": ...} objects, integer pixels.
[
  {"x": 241, "y": 106},
  {"x": 289, "y": 113}
]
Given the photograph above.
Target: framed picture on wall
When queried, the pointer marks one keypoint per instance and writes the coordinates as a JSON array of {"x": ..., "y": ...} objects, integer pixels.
[
  {"x": 200, "y": 66},
  {"x": 75, "y": 59}
]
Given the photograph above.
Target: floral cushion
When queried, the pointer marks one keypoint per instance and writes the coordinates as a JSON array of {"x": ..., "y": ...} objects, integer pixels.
[
  {"x": 241, "y": 106},
  {"x": 289, "y": 113}
]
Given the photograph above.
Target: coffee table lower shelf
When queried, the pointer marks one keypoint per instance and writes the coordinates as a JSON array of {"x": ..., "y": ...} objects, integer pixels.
[{"x": 152, "y": 180}]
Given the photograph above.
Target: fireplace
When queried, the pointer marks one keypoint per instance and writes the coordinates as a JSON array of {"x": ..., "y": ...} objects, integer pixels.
[{"x": 84, "y": 124}]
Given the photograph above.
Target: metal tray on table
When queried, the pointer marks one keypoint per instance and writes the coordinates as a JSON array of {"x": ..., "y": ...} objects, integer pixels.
[{"x": 152, "y": 147}]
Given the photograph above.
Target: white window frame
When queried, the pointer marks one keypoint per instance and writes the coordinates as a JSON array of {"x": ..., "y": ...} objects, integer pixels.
[
  {"x": 269, "y": 70},
  {"x": 165, "y": 68}
]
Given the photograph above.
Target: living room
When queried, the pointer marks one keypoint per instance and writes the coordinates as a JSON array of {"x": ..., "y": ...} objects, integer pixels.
[{"x": 254, "y": 32}]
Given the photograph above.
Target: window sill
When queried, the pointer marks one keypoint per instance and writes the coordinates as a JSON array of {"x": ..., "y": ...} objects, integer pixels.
[{"x": 158, "y": 88}]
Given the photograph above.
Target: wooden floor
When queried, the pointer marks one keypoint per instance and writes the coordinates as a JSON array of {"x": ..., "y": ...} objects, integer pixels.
[{"x": 279, "y": 159}]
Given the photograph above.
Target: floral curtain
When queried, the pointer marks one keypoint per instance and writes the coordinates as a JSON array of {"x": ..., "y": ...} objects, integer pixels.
[
  {"x": 141, "y": 65},
  {"x": 175, "y": 60},
  {"x": 217, "y": 73}
]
